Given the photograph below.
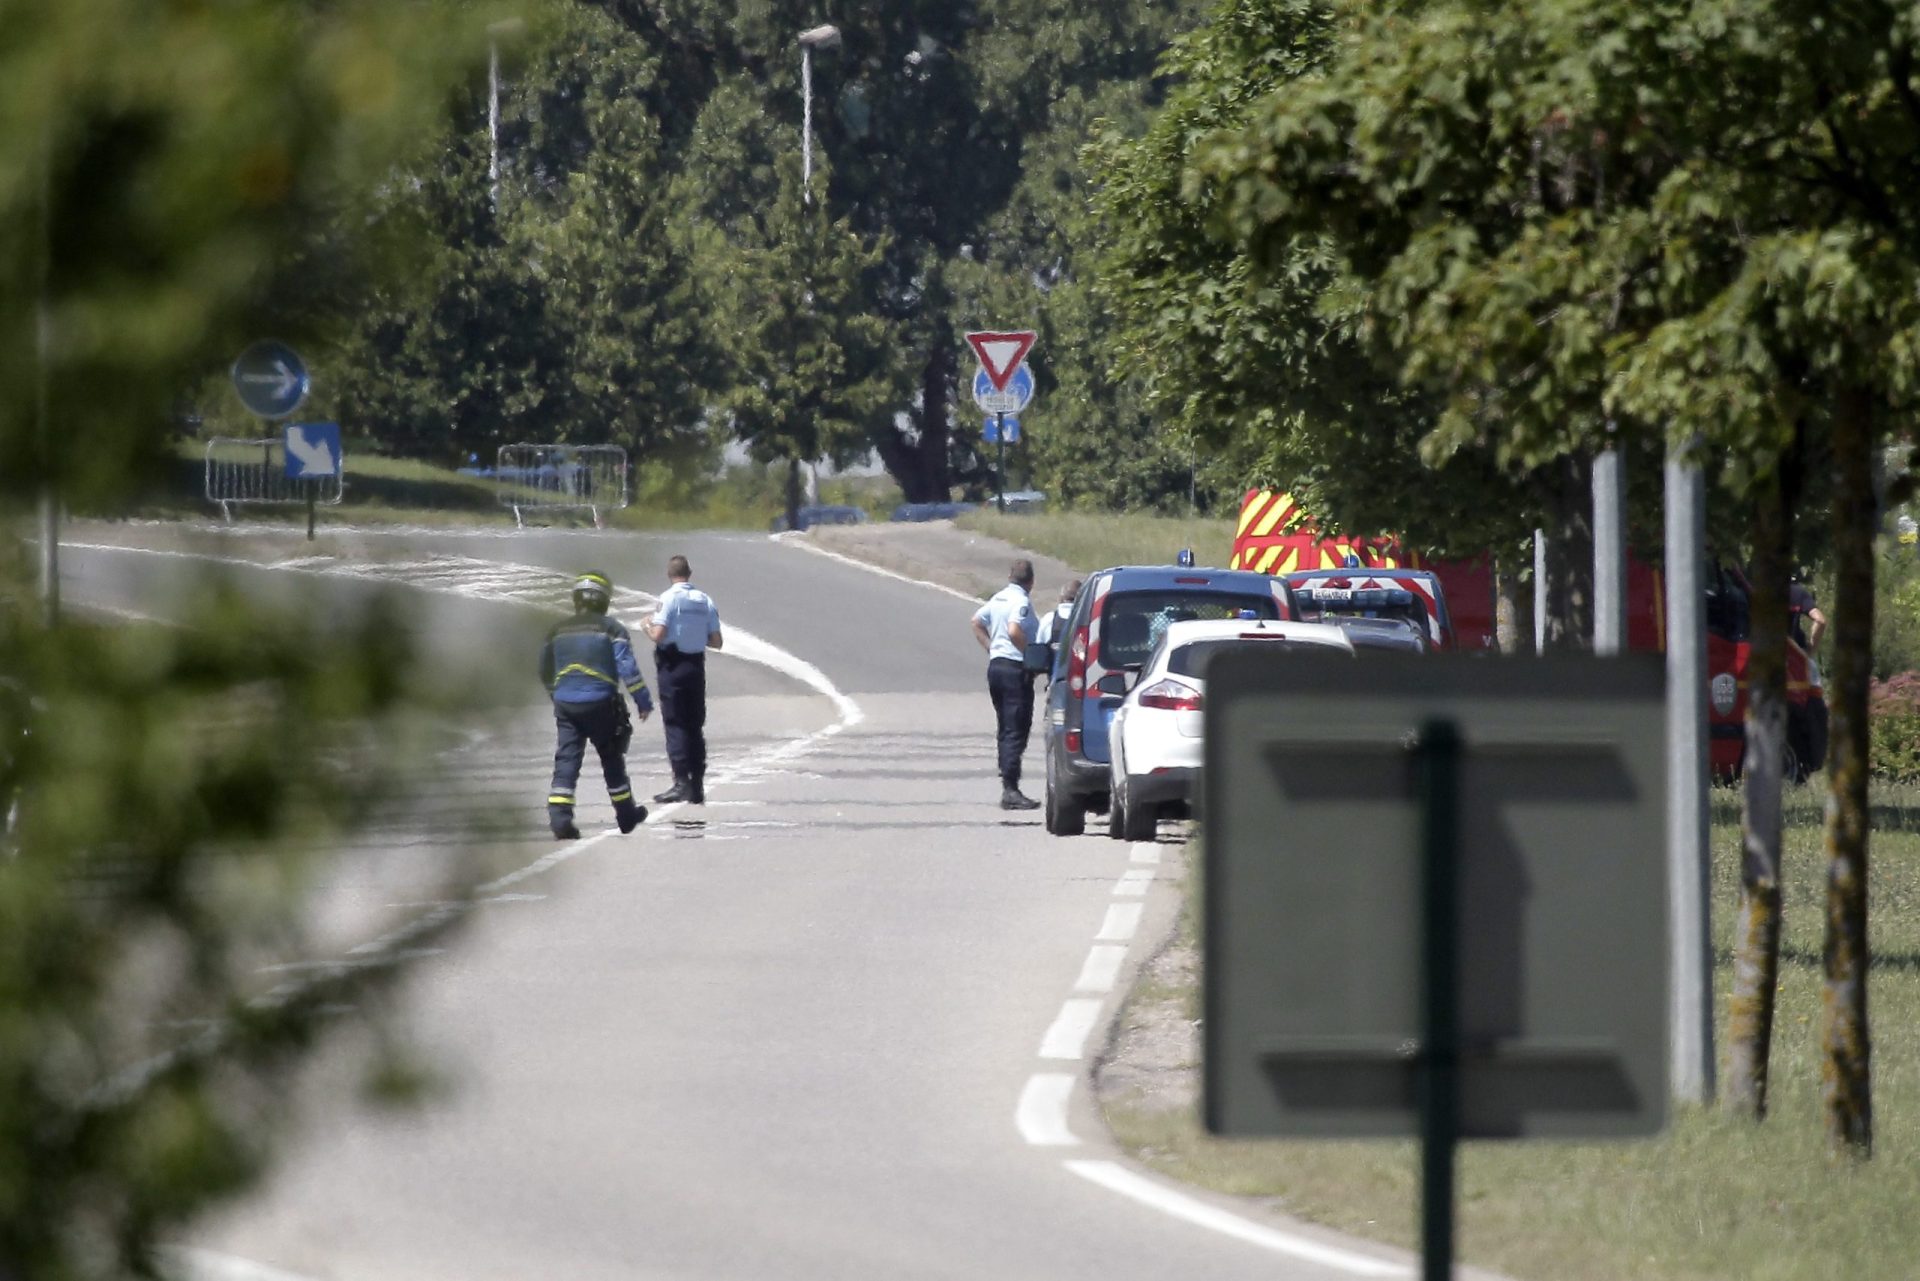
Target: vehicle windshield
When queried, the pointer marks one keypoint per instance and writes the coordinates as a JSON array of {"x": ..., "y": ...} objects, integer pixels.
[
  {"x": 1192, "y": 658},
  {"x": 1315, "y": 602},
  {"x": 1132, "y": 623},
  {"x": 1383, "y": 633}
]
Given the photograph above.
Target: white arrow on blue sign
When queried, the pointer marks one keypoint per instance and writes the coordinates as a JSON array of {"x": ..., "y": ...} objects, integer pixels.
[
  {"x": 1000, "y": 426},
  {"x": 271, "y": 379},
  {"x": 313, "y": 451},
  {"x": 1017, "y": 396}
]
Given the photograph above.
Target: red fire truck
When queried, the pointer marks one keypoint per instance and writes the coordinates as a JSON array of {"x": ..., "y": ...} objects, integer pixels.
[{"x": 1274, "y": 536}]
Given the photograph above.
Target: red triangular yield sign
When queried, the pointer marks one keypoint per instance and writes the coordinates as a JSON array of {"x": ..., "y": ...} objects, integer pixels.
[{"x": 1001, "y": 353}]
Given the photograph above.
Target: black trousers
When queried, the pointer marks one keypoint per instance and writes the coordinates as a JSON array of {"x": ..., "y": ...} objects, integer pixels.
[
  {"x": 1011, "y": 686},
  {"x": 603, "y": 723},
  {"x": 681, "y": 685}
]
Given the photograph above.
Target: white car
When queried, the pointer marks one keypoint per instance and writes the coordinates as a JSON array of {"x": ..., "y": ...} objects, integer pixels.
[{"x": 1157, "y": 734}]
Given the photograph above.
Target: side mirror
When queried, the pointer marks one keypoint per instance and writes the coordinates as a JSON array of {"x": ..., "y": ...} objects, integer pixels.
[{"x": 1114, "y": 683}]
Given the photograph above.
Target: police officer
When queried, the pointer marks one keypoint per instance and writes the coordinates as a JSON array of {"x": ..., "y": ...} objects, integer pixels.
[
  {"x": 1055, "y": 621},
  {"x": 683, "y": 629},
  {"x": 584, "y": 664},
  {"x": 1003, "y": 626}
]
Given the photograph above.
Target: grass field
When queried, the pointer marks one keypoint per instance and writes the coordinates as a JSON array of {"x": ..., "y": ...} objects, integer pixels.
[
  {"x": 1095, "y": 540},
  {"x": 1715, "y": 1196}
]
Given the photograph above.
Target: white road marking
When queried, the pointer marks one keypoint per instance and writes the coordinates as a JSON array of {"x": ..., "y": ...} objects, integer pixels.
[
  {"x": 1102, "y": 969},
  {"x": 1134, "y": 882},
  {"x": 518, "y": 584},
  {"x": 206, "y": 1265},
  {"x": 801, "y": 540},
  {"x": 1042, "y": 1115},
  {"x": 1117, "y": 1178},
  {"x": 1145, "y": 852},
  {"x": 1122, "y": 920},
  {"x": 1067, "y": 1037}
]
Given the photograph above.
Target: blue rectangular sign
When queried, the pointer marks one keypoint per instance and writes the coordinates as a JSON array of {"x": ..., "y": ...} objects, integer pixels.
[{"x": 313, "y": 451}]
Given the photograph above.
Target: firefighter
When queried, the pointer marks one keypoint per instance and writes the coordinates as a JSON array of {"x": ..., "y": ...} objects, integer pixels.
[{"x": 586, "y": 662}]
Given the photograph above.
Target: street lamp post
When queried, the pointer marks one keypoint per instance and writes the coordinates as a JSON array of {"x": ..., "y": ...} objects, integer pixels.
[
  {"x": 495, "y": 30},
  {"x": 822, "y": 37}
]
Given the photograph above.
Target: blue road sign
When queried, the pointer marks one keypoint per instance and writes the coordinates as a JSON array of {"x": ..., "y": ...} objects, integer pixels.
[
  {"x": 1017, "y": 396},
  {"x": 313, "y": 451},
  {"x": 271, "y": 379},
  {"x": 992, "y": 430}
]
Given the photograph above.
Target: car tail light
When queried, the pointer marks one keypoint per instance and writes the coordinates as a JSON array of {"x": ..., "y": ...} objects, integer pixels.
[
  {"x": 1077, "y": 663},
  {"x": 1073, "y": 740},
  {"x": 1171, "y": 696}
]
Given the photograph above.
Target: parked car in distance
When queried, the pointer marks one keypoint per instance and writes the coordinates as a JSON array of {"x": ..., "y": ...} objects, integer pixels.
[
  {"x": 1325, "y": 595},
  {"x": 1117, "y": 619},
  {"x": 931, "y": 511},
  {"x": 822, "y": 514},
  {"x": 1158, "y": 732},
  {"x": 1024, "y": 500}
]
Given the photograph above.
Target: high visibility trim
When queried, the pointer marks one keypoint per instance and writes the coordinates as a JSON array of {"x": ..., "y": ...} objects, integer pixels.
[
  {"x": 582, "y": 669},
  {"x": 637, "y": 687},
  {"x": 617, "y": 797},
  {"x": 560, "y": 800},
  {"x": 1255, "y": 503},
  {"x": 1283, "y": 507}
]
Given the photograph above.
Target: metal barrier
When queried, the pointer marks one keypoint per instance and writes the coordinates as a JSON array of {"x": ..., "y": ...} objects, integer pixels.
[
  {"x": 592, "y": 478},
  {"x": 253, "y": 469}
]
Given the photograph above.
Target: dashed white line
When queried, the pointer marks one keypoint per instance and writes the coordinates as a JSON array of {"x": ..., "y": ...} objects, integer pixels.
[
  {"x": 1042, "y": 1115},
  {"x": 1067, "y": 1037},
  {"x": 1117, "y": 1178},
  {"x": 1121, "y": 922},
  {"x": 1102, "y": 968},
  {"x": 1134, "y": 882},
  {"x": 1144, "y": 852}
]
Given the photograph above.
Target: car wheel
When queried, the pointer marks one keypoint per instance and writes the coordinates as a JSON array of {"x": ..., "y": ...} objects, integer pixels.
[
  {"x": 1066, "y": 816},
  {"x": 1137, "y": 822}
]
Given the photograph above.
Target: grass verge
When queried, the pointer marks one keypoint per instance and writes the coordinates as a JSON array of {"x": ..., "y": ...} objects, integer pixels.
[
  {"x": 1715, "y": 1196},
  {"x": 1095, "y": 540}
]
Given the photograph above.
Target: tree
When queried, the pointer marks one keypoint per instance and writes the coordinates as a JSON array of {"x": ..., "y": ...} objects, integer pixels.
[
  {"x": 1669, "y": 219},
  {"x": 159, "y": 784},
  {"x": 808, "y": 365}
]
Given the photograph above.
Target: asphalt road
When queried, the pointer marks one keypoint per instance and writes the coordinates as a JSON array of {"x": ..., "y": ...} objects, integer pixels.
[{"x": 835, "y": 1025}]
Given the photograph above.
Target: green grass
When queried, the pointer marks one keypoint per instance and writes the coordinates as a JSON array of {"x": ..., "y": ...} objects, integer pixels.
[
  {"x": 1094, "y": 540},
  {"x": 1715, "y": 1196}
]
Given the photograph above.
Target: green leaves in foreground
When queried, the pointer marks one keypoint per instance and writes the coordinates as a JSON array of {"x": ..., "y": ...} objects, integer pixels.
[{"x": 169, "y": 792}]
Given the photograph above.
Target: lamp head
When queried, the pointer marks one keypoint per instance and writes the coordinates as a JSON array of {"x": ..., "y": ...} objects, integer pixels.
[{"x": 822, "y": 37}]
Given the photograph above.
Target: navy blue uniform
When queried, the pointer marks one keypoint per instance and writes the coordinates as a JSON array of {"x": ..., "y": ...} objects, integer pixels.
[
  {"x": 689, "y": 620},
  {"x": 586, "y": 662}
]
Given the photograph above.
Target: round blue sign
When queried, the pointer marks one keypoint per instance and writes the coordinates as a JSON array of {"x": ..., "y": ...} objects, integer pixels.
[
  {"x": 1017, "y": 396},
  {"x": 271, "y": 379}
]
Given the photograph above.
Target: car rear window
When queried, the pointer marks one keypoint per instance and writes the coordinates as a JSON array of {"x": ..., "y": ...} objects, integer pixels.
[
  {"x": 1192, "y": 658},
  {"x": 1131, "y": 623}
]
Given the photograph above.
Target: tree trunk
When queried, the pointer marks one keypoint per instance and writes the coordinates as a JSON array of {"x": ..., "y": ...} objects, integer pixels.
[
  {"x": 793, "y": 493},
  {"x": 1756, "y": 945},
  {"x": 1569, "y": 622},
  {"x": 1846, "y": 1087},
  {"x": 918, "y": 463},
  {"x": 1512, "y": 608}
]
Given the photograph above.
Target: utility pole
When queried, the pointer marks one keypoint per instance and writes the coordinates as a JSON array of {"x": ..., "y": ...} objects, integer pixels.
[
  {"x": 43, "y": 355},
  {"x": 1691, "y": 963},
  {"x": 1609, "y": 554}
]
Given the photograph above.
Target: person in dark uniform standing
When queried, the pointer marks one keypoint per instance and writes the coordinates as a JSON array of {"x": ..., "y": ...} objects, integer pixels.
[
  {"x": 585, "y": 663},
  {"x": 683, "y": 629},
  {"x": 1003, "y": 626}
]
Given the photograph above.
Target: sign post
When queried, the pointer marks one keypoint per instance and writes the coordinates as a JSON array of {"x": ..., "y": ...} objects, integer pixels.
[
  {"x": 1002, "y": 387},
  {"x": 1353, "y": 829},
  {"x": 312, "y": 452}
]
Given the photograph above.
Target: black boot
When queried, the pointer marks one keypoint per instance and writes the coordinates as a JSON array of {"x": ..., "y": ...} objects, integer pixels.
[
  {"x": 629, "y": 815},
  {"x": 673, "y": 795},
  {"x": 561, "y": 822},
  {"x": 696, "y": 790},
  {"x": 1012, "y": 799}
]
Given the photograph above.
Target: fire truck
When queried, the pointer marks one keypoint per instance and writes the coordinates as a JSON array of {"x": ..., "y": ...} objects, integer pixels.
[{"x": 1275, "y": 536}]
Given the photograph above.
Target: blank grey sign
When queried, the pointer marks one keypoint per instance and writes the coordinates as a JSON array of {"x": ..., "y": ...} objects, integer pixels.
[{"x": 1312, "y": 847}]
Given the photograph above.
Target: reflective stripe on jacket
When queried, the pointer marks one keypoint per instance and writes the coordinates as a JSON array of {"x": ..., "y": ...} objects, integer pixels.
[{"x": 590, "y": 657}]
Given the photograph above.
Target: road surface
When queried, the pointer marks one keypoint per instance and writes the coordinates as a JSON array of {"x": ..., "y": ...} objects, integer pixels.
[{"x": 835, "y": 1025}]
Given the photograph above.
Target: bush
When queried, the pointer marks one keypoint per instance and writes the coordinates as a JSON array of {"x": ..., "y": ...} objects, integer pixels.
[{"x": 1893, "y": 728}]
